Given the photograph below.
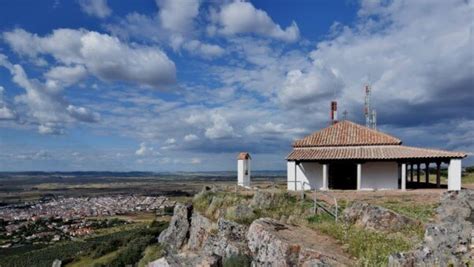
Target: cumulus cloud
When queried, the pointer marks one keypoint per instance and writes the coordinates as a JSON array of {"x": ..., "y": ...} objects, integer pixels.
[
  {"x": 220, "y": 128},
  {"x": 145, "y": 150},
  {"x": 47, "y": 107},
  {"x": 96, "y": 8},
  {"x": 65, "y": 75},
  {"x": 178, "y": 15},
  {"x": 313, "y": 85},
  {"x": 6, "y": 113},
  {"x": 271, "y": 128},
  {"x": 203, "y": 49},
  {"x": 242, "y": 17},
  {"x": 190, "y": 137},
  {"x": 104, "y": 56},
  {"x": 416, "y": 63}
]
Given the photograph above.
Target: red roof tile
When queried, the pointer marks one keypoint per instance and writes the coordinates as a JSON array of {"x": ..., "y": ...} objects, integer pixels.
[
  {"x": 346, "y": 133},
  {"x": 243, "y": 155},
  {"x": 383, "y": 152}
]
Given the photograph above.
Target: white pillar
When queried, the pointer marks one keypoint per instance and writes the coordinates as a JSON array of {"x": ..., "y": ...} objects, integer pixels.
[
  {"x": 325, "y": 177},
  {"x": 454, "y": 175},
  {"x": 290, "y": 174},
  {"x": 359, "y": 175},
  {"x": 404, "y": 176}
]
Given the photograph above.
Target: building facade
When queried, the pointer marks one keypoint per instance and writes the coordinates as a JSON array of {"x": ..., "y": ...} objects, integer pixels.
[{"x": 350, "y": 156}]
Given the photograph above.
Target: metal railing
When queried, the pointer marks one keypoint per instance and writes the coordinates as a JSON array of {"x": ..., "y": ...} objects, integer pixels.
[{"x": 316, "y": 204}]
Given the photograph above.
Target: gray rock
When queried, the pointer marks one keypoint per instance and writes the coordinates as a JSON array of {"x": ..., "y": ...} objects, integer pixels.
[
  {"x": 275, "y": 244},
  {"x": 176, "y": 235},
  {"x": 57, "y": 263},
  {"x": 376, "y": 218},
  {"x": 448, "y": 241},
  {"x": 187, "y": 259},
  {"x": 264, "y": 199},
  {"x": 201, "y": 229},
  {"x": 229, "y": 241}
]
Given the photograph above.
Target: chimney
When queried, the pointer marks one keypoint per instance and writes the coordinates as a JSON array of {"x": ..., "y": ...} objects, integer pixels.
[{"x": 333, "y": 112}]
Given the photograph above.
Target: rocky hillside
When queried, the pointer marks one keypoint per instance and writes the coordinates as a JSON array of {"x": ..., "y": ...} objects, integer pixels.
[{"x": 270, "y": 229}]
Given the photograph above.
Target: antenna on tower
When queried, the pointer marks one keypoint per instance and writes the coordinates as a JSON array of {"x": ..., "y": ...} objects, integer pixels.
[{"x": 370, "y": 114}]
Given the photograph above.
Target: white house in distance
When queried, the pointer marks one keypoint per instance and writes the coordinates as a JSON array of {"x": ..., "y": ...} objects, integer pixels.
[
  {"x": 243, "y": 169},
  {"x": 347, "y": 155}
]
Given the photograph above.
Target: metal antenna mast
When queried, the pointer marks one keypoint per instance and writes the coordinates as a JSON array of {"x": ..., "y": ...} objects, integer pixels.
[{"x": 370, "y": 114}]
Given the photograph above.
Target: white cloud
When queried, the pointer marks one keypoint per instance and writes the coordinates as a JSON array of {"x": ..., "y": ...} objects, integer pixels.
[
  {"x": 96, "y": 8},
  {"x": 6, "y": 113},
  {"x": 83, "y": 114},
  {"x": 242, "y": 17},
  {"x": 310, "y": 86},
  {"x": 47, "y": 108},
  {"x": 271, "y": 128},
  {"x": 196, "y": 161},
  {"x": 104, "y": 56},
  {"x": 178, "y": 15},
  {"x": 145, "y": 150},
  {"x": 190, "y": 137},
  {"x": 220, "y": 127},
  {"x": 66, "y": 75},
  {"x": 170, "y": 141},
  {"x": 203, "y": 49}
]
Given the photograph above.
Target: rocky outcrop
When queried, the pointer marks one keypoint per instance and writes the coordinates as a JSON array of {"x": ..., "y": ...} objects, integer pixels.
[
  {"x": 448, "y": 241},
  {"x": 201, "y": 229},
  {"x": 229, "y": 241},
  {"x": 176, "y": 235},
  {"x": 376, "y": 218},
  {"x": 275, "y": 244},
  {"x": 187, "y": 259},
  {"x": 264, "y": 199}
]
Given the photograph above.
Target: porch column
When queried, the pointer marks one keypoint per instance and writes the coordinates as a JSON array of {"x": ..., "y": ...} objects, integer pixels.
[
  {"x": 325, "y": 177},
  {"x": 411, "y": 172},
  {"x": 404, "y": 176},
  {"x": 359, "y": 175},
  {"x": 418, "y": 173},
  {"x": 438, "y": 174},
  {"x": 427, "y": 173},
  {"x": 454, "y": 175}
]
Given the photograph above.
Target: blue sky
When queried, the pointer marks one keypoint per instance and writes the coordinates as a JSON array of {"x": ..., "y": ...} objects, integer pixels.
[{"x": 185, "y": 85}]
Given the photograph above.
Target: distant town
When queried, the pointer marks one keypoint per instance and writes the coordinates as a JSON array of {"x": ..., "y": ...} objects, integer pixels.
[{"x": 66, "y": 218}]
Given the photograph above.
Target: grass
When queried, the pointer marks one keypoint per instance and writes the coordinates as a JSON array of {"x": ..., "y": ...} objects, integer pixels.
[
  {"x": 151, "y": 253},
  {"x": 417, "y": 211},
  {"x": 89, "y": 261},
  {"x": 371, "y": 248}
]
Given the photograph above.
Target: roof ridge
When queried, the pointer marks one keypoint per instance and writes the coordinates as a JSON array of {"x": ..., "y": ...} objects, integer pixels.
[{"x": 346, "y": 133}]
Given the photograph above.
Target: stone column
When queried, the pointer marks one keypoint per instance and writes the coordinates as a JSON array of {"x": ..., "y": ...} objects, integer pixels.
[
  {"x": 418, "y": 172},
  {"x": 404, "y": 176},
  {"x": 325, "y": 177},
  {"x": 359, "y": 176},
  {"x": 454, "y": 175},
  {"x": 438, "y": 174},
  {"x": 427, "y": 173}
]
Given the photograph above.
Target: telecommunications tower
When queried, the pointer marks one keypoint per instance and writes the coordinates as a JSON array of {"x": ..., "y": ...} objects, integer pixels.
[{"x": 370, "y": 114}]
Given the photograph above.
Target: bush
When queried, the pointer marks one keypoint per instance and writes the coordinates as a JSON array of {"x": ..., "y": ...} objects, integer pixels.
[{"x": 237, "y": 261}]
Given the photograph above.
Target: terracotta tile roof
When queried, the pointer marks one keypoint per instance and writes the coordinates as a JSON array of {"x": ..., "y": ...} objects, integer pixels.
[
  {"x": 243, "y": 155},
  {"x": 390, "y": 152},
  {"x": 346, "y": 133}
]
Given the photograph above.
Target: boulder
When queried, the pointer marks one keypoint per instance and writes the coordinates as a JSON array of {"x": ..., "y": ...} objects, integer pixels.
[
  {"x": 187, "y": 259},
  {"x": 176, "y": 235},
  {"x": 448, "y": 241},
  {"x": 275, "y": 244},
  {"x": 264, "y": 199},
  {"x": 229, "y": 241},
  {"x": 201, "y": 229},
  {"x": 376, "y": 218}
]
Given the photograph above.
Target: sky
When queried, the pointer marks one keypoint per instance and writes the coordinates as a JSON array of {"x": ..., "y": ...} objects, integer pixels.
[{"x": 184, "y": 85}]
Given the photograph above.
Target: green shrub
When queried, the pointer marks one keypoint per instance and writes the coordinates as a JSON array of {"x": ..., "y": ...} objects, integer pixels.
[{"x": 237, "y": 261}]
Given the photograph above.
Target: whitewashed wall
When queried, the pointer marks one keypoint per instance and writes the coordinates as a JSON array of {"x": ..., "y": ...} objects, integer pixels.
[
  {"x": 379, "y": 175},
  {"x": 243, "y": 179},
  {"x": 307, "y": 172}
]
